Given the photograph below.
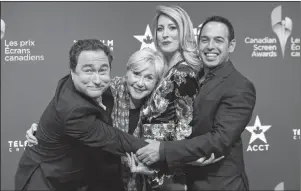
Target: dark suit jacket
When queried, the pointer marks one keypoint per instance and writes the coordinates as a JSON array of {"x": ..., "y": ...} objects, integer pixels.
[
  {"x": 71, "y": 129},
  {"x": 222, "y": 110},
  {"x": 104, "y": 166}
]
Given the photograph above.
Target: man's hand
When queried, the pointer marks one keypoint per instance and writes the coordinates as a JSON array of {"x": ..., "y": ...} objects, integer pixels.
[
  {"x": 138, "y": 167},
  {"x": 150, "y": 153},
  {"x": 32, "y": 140},
  {"x": 203, "y": 162}
]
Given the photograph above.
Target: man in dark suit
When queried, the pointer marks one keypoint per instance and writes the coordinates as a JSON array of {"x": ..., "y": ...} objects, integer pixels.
[
  {"x": 222, "y": 110},
  {"x": 74, "y": 129}
]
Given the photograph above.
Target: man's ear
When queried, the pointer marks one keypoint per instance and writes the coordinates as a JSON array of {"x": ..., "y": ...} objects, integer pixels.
[{"x": 232, "y": 45}]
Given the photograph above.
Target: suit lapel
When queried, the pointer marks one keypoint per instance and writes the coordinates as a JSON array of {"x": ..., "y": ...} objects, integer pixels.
[
  {"x": 108, "y": 101},
  {"x": 211, "y": 85},
  {"x": 218, "y": 76},
  {"x": 103, "y": 113}
]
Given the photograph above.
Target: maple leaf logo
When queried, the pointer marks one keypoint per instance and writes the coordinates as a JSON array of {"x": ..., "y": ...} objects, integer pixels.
[
  {"x": 148, "y": 40},
  {"x": 257, "y": 130}
]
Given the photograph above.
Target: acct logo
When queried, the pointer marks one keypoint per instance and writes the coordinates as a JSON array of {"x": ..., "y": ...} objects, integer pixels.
[
  {"x": 146, "y": 39},
  {"x": 16, "y": 145},
  {"x": 267, "y": 46},
  {"x": 258, "y": 132}
]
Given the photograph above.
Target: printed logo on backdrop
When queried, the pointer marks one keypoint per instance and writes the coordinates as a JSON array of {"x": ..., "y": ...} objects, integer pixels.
[
  {"x": 19, "y": 51},
  {"x": 2, "y": 28},
  {"x": 146, "y": 39},
  {"x": 269, "y": 46},
  {"x": 258, "y": 141},
  {"x": 109, "y": 43},
  {"x": 279, "y": 187},
  {"x": 196, "y": 32},
  {"x": 296, "y": 134},
  {"x": 16, "y": 145}
]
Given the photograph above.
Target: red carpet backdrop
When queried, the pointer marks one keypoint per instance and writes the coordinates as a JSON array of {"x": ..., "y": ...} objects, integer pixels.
[{"x": 36, "y": 38}]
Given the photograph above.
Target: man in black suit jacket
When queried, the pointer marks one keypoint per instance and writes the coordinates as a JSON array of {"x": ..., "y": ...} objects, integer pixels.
[
  {"x": 222, "y": 110},
  {"x": 74, "y": 127}
]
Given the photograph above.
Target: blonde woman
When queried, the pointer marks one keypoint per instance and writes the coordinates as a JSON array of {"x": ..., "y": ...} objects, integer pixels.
[{"x": 169, "y": 110}]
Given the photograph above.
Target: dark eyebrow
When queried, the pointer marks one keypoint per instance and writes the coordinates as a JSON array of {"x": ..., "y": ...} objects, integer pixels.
[
  {"x": 203, "y": 36},
  {"x": 88, "y": 65}
]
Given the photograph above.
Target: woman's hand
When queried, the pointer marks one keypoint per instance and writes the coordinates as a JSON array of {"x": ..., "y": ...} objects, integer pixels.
[
  {"x": 203, "y": 162},
  {"x": 137, "y": 166},
  {"x": 32, "y": 140}
]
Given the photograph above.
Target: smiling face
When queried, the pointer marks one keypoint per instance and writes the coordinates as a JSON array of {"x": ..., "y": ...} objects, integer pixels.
[
  {"x": 214, "y": 44},
  {"x": 91, "y": 75},
  {"x": 141, "y": 80},
  {"x": 167, "y": 35}
]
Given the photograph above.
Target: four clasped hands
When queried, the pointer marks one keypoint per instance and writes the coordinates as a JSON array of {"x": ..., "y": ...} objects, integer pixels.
[{"x": 140, "y": 161}]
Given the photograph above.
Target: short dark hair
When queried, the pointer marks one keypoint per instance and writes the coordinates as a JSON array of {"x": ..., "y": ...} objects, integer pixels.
[
  {"x": 219, "y": 19},
  {"x": 87, "y": 44}
]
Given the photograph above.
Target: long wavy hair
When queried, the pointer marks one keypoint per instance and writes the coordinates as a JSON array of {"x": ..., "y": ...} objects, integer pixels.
[{"x": 188, "y": 46}]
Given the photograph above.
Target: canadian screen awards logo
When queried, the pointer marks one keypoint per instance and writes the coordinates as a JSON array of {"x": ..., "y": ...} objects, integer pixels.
[
  {"x": 16, "y": 51},
  {"x": 19, "y": 51},
  {"x": 296, "y": 134},
  {"x": 258, "y": 132},
  {"x": 2, "y": 28},
  {"x": 282, "y": 28},
  {"x": 196, "y": 32},
  {"x": 268, "y": 46}
]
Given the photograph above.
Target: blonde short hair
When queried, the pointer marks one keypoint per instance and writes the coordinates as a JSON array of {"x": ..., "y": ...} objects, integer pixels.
[
  {"x": 147, "y": 56},
  {"x": 188, "y": 45}
]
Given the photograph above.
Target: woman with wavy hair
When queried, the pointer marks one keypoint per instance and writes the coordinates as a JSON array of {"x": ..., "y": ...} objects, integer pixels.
[{"x": 169, "y": 110}]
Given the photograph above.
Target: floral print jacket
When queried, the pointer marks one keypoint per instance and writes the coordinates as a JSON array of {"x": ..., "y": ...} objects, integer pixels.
[
  {"x": 121, "y": 108},
  {"x": 165, "y": 115},
  {"x": 169, "y": 110}
]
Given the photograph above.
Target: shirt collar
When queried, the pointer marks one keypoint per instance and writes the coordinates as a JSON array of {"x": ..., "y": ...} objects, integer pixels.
[{"x": 220, "y": 69}]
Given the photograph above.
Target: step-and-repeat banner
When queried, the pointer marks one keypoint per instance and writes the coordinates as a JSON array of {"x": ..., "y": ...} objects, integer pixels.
[{"x": 36, "y": 38}]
